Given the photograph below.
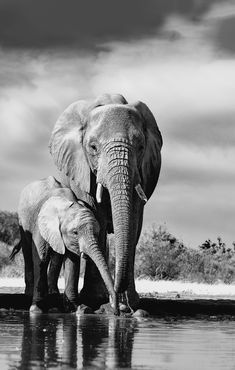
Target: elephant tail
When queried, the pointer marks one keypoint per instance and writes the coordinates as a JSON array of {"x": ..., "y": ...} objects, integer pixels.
[{"x": 15, "y": 250}]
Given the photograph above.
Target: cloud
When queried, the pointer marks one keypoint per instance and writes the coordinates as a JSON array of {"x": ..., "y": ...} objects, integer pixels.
[
  {"x": 29, "y": 109},
  {"x": 195, "y": 167},
  {"x": 206, "y": 130},
  {"x": 194, "y": 214},
  {"x": 87, "y": 24},
  {"x": 223, "y": 19}
]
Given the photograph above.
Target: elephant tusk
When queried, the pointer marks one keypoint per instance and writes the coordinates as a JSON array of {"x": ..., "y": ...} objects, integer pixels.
[
  {"x": 99, "y": 192},
  {"x": 141, "y": 193},
  {"x": 83, "y": 255}
]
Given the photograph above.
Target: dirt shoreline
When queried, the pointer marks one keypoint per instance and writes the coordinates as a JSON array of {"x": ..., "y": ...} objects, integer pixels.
[
  {"x": 149, "y": 289},
  {"x": 160, "y": 306},
  {"x": 159, "y": 298}
]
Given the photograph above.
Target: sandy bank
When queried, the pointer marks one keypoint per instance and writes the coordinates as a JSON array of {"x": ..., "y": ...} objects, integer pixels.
[{"x": 171, "y": 288}]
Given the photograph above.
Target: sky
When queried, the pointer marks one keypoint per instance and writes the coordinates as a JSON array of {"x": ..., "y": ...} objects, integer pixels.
[{"x": 177, "y": 56}]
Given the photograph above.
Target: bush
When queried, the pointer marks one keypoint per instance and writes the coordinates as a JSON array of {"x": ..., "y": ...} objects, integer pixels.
[
  {"x": 160, "y": 255},
  {"x": 9, "y": 236},
  {"x": 9, "y": 268},
  {"x": 219, "y": 261},
  {"x": 9, "y": 227}
]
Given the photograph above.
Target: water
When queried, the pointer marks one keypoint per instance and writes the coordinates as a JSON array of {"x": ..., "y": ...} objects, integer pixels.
[{"x": 66, "y": 341}]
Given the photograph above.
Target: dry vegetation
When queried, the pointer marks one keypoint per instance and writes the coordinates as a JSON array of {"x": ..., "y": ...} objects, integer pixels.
[{"x": 9, "y": 236}]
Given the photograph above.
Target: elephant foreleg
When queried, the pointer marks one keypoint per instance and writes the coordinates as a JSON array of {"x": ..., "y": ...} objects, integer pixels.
[
  {"x": 56, "y": 261},
  {"x": 40, "y": 280},
  {"x": 26, "y": 242},
  {"x": 71, "y": 276}
]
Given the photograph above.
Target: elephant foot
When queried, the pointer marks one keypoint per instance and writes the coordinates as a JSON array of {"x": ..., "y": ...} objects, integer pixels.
[
  {"x": 127, "y": 305},
  {"x": 84, "y": 310},
  {"x": 35, "y": 309},
  {"x": 54, "y": 310},
  {"x": 107, "y": 309},
  {"x": 140, "y": 313},
  {"x": 93, "y": 300},
  {"x": 124, "y": 308},
  {"x": 69, "y": 304},
  {"x": 128, "y": 301},
  {"x": 54, "y": 302}
]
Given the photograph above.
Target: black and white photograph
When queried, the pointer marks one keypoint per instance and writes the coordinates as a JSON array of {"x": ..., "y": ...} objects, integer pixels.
[{"x": 117, "y": 191}]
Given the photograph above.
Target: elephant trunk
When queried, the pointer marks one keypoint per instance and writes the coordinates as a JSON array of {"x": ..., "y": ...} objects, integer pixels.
[
  {"x": 94, "y": 252},
  {"x": 120, "y": 186}
]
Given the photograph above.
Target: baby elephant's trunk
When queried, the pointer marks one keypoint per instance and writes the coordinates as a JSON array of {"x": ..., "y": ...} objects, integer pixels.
[{"x": 94, "y": 252}]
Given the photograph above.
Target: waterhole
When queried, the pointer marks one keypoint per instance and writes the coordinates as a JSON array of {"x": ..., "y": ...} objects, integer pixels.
[{"x": 64, "y": 341}]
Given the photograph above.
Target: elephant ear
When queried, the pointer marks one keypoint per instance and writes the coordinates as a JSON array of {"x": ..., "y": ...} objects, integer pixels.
[
  {"x": 66, "y": 145},
  {"x": 49, "y": 222},
  {"x": 66, "y": 142},
  {"x": 151, "y": 163}
]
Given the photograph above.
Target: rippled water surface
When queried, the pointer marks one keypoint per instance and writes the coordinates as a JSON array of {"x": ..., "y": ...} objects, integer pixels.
[{"x": 64, "y": 341}]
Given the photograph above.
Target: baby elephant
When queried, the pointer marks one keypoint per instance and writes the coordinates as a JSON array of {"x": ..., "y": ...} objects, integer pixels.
[{"x": 53, "y": 224}]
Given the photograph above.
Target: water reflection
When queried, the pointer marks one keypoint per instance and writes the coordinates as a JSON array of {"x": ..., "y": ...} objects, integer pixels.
[
  {"x": 67, "y": 341},
  {"x": 70, "y": 341},
  {"x": 39, "y": 342},
  {"x": 107, "y": 341}
]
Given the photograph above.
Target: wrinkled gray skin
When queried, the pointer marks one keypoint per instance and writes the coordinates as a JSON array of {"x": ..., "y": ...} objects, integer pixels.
[
  {"x": 54, "y": 226},
  {"x": 110, "y": 145}
]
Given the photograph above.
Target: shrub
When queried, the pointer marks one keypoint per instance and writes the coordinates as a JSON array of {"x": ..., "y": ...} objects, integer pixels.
[
  {"x": 9, "y": 227},
  {"x": 9, "y": 236},
  {"x": 160, "y": 255},
  {"x": 9, "y": 268},
  {"x": 219, "y": 261}
]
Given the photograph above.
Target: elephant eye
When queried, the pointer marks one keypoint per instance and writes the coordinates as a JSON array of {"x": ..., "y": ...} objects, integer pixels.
[
  {"x": 93, "y": 147},
  {"x": 75, "y": 232}
]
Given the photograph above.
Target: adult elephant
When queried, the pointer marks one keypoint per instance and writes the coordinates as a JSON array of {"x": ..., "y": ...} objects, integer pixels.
[{"x": 108, "y": 152}]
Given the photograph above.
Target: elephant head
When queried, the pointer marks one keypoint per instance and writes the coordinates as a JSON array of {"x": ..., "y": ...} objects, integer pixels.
[
  {"x": 67, "y": 224},
  {"x": 110, "y": 144}
]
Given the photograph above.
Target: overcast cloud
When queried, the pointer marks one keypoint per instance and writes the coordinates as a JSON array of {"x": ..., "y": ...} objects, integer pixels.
[
  {"x": 176, "y": 56},
  {"x": 87, "y": 24}
]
